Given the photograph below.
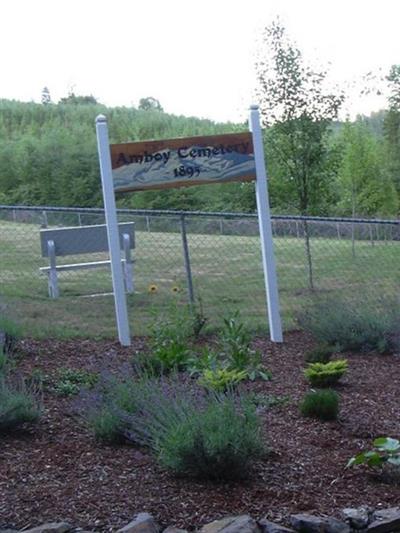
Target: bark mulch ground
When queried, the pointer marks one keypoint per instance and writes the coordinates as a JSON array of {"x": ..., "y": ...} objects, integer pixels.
[{"x": 56, "y": 471}]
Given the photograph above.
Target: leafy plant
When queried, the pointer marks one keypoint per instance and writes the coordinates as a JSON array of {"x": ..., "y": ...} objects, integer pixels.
[
  {"x": 18, "y": 405},
  {"x": 266, "y": 401},
  {"x": 349, "y": 324},
  {"x": 386, "y": 450},
  {"x": 170, "y": 337},
  {"x": 325, "y": 374},
  {"x": 70, "y": 381},
  {"x": 322, "y": 404},
  {"x": 222, "y": 379},
  {"x": 320, "y": 354},
  {"x": 209, "y": 359},
  {"x": 237, "y": 351}
]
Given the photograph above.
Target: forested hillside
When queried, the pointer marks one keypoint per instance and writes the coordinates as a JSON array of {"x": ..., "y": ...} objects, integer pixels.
[{"x": 48, "y": 156}]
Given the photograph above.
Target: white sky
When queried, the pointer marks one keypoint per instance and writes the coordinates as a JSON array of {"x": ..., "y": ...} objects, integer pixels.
[{"x": 197, "y": 58}]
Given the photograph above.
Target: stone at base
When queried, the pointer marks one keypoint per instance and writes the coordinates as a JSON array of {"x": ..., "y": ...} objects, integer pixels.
[
  {"x": 142, "y": 523},
  {"x": 51, "y": 527},
  {"x": 305, "y": 523},
  {"x": 232, "y": 524},
  {"x": 267, "y": 526}
]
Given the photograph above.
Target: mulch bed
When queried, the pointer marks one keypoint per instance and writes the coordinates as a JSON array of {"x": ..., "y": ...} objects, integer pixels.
[{"x": 56, "y": 471}]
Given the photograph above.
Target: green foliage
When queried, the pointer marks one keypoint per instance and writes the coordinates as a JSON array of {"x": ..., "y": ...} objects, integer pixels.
[
  {"x": 222, "y": 379},
  {"x": 237, "y": 352},
  {"x": 213, "y": 436},
  {"x": 70, "y": 381},
  {"x": 18, "y": 405},
  {"x": 107, "y": 418},
  {"x": 170, "y": 338},
  {"x": 218, "y": 443},
  {"x": 150, "y": 104},
  {"x": 4, "y": 362},
  {"x": 320, "y": 354},
  {"x": 364, "y": 187},
  {"x": 265, "y": 401},
  {"x": 106, "y": 425},
  {"x": 294, "y": 101},
  {"x": 322, "y": 404},
  {"x": 10, "y": 332},
  {"x": 385, "y": 450},
  {"x": 349, "y": 324},
  {"x": 208, "y": 359},
  {"x": 325, "y": 374}
]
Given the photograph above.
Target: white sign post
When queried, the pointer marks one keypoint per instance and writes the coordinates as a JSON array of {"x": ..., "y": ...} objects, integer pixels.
[
  {"x": 264, "y": 221},
  {"x": 121, "y": 310}
]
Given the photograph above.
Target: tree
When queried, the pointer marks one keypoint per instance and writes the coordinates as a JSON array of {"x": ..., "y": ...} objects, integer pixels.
[
  {"x": 364, "y": 186},
  {"x": 391, "y": 126},
  {"x": 150, "y": 104},
  {"x": 72, "y": 98},
  {"x": 293, "y": 101},
  {"x": 46, "y": 98}
]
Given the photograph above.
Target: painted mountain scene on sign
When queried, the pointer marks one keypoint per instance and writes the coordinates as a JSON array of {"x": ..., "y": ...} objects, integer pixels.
[{"x": 186, "y": 166}]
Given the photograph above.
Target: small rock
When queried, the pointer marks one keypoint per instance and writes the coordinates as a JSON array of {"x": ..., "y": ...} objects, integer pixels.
[
  {"x": 358, "y": 518},
  {"x": 385, "y": 521},
  {"x": 51, "y": 527},
  {"x": 267, "y": 526},
  {"x": 143, "y": 523},
  {"x": 305, "y": 523},
  {"x": 232, "y": 524}
]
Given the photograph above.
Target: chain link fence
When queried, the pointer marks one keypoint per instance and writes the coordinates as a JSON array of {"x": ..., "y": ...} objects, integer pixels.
[{"x": 211, "y": 260}]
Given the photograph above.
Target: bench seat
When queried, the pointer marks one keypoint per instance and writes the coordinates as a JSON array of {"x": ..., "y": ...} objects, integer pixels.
[{"x": 79, "y": 266}]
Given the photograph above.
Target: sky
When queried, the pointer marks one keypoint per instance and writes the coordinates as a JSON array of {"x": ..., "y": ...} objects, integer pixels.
[{"x": 196, "y": 58}]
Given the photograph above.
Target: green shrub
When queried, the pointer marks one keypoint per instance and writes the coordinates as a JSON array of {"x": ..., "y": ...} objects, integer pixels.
[
  {"x": 107, "y": 407},
  {"x": 350, "y": 324},
  {"x": 323, "y": 404},
  {"x": 218, "y": 443},
  {"x": 222, "y": 379},
  {"x": 10, "y": 332},
  {"x": 325, "y": 374},
  {"x": 190, "y": 431},
  {"x": 106, "y": 425},
  {"x": 320, "y": 354},
  {"x": 18, "y": 405}
]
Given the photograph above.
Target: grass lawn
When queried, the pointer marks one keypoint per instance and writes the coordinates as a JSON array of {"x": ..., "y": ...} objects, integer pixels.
[{"x": 226, "y": 270}]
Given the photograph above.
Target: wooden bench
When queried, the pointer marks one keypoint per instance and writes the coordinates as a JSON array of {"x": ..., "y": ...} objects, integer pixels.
[{"x": 84, "y": 240}]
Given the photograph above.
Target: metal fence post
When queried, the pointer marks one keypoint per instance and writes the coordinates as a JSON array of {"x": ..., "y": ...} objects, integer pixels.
[
  {"x": 44, "y": 218},
  {"x": 186, "y": 258}
]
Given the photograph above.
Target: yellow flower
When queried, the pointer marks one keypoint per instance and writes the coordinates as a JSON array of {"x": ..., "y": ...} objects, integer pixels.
[{"x": 153, "y": 288}]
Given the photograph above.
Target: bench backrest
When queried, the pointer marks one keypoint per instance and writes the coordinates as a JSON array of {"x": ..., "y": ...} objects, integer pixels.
[{"x": 83, "y": 239}]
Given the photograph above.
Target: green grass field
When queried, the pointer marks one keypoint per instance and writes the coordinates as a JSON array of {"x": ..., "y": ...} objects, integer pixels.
[{"x": 226, "y": 271}]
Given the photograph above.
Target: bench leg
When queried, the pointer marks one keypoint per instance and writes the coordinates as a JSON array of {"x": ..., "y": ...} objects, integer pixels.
[
  {"x": 128, "y": 275},
  {"x": 53, "y": 284},
  {"x": 52, "y": 278},
  {"x": 128, "y": 265}
]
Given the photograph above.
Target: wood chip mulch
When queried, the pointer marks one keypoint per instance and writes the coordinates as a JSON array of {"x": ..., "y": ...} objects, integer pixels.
[{"x": 56, "y": 471}]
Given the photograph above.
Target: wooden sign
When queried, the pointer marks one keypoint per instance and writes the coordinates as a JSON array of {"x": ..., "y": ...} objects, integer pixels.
[{"x": 182, "y": 162}]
